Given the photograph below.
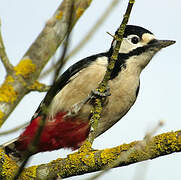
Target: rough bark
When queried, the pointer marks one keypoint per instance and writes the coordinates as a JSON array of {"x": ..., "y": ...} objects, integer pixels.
[
  {"x": 20, "y": 78},
  {"x": 86, "y": 161}
]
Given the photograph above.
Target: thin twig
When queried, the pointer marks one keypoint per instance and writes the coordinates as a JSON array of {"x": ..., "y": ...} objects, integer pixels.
[
  {"x": 3, "y": 56},
  {"x": 37, "y": 86},
  {"x": 98, "y": 103},
  {"x": 14, "y": 129},
  {"x": 85, "y": 39}
]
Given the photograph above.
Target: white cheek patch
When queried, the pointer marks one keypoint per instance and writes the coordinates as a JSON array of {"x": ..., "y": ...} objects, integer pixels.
[
  {"x": 127, "y": 46},
  {"x": 146, "y": 37}
]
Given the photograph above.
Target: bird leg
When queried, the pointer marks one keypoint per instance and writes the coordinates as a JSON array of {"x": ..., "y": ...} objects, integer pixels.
[{"x": 101, "y": 94}]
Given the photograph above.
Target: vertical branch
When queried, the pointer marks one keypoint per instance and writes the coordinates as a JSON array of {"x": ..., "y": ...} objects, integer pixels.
[{"x": 97, "y": 108}]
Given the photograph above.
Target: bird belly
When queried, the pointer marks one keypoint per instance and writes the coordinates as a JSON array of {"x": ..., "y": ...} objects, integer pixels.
[{"x": 124, "y": 89}]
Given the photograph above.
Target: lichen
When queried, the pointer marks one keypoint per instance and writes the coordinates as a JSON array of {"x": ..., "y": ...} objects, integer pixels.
[
  {"x": 89, "y": 2},
  {"x": 83, "y": 160},
  {"x": 1, "y": 117},
  {"x": 37, "y": 86},
  {"x": 109, "y": 155},
  {"x": 7, "y": 92},
  {"x": 89, "y": 159},
  {"x": 25, "y": 68},
  {"x": 59, "y": 15},
  {"x": 10, "y": 79},
  {"x": 86, "y": 147},
  {"x": 29, "y": 173},
  {"x": 74, "y": 160},
  {"x": 79, "y": 12},
  {"x": 9, "y": 167},
  {"x": 171, "y": 142}
]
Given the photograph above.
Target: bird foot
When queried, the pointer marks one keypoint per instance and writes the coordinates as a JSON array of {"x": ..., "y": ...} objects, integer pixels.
[
  {"x": 86, "y": 147},
  {"x": 102, "y": 94}
]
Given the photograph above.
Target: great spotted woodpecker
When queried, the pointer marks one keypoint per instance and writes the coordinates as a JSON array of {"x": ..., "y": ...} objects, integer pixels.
[{"x": 68, "y": 126}]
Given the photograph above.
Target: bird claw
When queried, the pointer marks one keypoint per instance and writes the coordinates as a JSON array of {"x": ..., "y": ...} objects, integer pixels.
[{"x": 101, "y": 94}]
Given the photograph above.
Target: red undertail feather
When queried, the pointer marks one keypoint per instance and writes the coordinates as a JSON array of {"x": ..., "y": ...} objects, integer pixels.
[{"x": 58, "y": 133}]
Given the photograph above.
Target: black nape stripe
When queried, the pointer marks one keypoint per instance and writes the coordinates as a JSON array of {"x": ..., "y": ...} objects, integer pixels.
[
  {"x": 120, "y": 63},
  {"x": 122, "y": 57}
]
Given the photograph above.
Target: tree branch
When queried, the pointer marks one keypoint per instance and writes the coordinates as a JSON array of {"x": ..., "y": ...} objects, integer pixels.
[
  {"x": 91, "y": 161},
  {"x": 3, "y": 56},
  {"x": 37, "y": 86},
  {"x": 85, "y": 39},
  {"x": 27, "y": 71},
  {"x": 102, "y": 88},
  {"x": 32, "y": 148},
  {"x": 124, "y": 156}
]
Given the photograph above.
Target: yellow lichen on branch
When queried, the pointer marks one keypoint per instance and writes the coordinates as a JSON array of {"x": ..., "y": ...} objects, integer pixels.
[
  {"x": 79, "y": 12},
  {"x": 102, "y": 87},
  {"x": 59, "y": 15},
  {"x": 109, "y": 155},
  {"x": 7, "y": 92},
  {"x": 37, "y": 86},
  {"x": 29, "y": 68},
  {"x": 8, "y": 167},
  {"x": 1, "y": 117},
  {"x": 25, "y": 68},
  {"x": 83, "y": 162},
  {"x": 29, "y": 173},
  {"x": 172, "y": 139}
]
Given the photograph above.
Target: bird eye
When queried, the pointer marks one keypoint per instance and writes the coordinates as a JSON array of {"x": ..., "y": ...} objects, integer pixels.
[{"x": 135, "y": 40}]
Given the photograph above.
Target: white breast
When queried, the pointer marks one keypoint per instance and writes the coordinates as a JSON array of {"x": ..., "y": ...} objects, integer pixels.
[{"x": 123, "y": 95}]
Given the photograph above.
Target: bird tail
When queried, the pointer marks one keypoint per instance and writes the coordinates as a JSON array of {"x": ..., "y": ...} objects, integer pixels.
[{"x": 10, "y": 149}]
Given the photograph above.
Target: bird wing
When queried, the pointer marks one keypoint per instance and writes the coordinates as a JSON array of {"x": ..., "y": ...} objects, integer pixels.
[{"x": 65, "y": 78}]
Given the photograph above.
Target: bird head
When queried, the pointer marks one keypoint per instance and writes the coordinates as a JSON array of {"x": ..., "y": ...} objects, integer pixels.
[{"x": 139, "y": 45}]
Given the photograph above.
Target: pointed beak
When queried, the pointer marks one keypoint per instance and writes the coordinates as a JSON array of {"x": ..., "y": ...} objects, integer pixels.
[{"x": 161, "y": 43}]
